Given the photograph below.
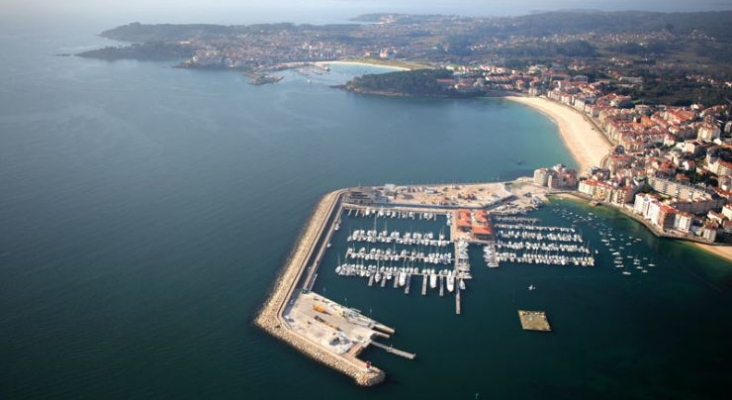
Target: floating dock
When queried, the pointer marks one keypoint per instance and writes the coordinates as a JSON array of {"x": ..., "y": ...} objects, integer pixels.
[
  {"x": 400, "y": 353},
  {"x": 534, "y": 321},
  {"x": 457, "y": 300}
]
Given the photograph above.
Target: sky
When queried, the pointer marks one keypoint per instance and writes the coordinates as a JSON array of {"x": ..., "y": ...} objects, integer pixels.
[{"x": 312, "y": 11}]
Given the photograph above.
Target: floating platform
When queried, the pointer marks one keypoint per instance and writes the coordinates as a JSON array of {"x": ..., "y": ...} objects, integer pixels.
[{"x": 534, "y": 321}]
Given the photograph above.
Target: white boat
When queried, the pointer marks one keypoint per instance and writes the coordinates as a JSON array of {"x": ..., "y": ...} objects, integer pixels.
[
  {"x": 626, "y": 272},
  {"x": 532, "y": 287},
  {"x": 450, "y": 282},
  {"x": 402, "y": 278},
  {"x": 377, "y": 277},
  {"x": 462, "y": 284},
  {"x": 433, "y": 280}
]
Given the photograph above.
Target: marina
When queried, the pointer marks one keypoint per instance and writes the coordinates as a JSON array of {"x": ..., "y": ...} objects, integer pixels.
[{"x": 360, "y": 233}]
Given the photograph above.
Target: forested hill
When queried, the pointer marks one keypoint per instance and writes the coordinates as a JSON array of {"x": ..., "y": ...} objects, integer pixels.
[
  {"x": 420, "y": 82},
  {"x": 714, "y": 24}
]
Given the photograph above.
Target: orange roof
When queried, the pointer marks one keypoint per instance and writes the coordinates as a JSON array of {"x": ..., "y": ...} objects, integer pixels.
[
  {"x": 482, "y": 230},
  {"x": 464, "y": 219}
]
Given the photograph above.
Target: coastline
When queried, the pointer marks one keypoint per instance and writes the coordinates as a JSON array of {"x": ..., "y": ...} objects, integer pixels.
[
  {"x": 363, "y": 64},
  {"x": 587, "y": 145},
  {"x": 724, "y": 252}
]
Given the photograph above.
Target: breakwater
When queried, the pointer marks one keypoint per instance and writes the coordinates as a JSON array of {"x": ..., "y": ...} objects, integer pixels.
[{"x": 270, "y": 317}]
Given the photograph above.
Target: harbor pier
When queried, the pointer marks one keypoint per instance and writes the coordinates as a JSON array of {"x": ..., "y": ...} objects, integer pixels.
[
  {"x": 274, "y": 316},
  {"x": 390, "y": 349}
]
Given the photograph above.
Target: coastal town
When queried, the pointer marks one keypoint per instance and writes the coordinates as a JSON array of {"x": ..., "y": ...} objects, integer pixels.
[
  {"x": 648, "y": 125},
  {"x": 668, "y": 166},
  {"x": 664, "y": 58}
]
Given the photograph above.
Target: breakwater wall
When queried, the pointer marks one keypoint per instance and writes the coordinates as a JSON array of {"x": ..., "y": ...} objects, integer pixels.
[{"x": 270, "y": 317}]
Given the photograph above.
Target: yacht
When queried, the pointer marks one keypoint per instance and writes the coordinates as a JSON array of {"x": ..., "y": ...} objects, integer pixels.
[
  {"x": 402, "y": 278},
  {"x": 450, "y": 282}
]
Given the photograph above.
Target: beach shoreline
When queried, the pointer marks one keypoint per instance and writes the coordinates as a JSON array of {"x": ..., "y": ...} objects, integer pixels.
[
  {"x": 585, "y": 143},
  {"x": 363, "y": 64},
  {"x": 724, "y": 252}
]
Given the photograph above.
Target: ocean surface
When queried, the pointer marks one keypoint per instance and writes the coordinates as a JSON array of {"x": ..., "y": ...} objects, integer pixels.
[{"x": 145, "y": 212}]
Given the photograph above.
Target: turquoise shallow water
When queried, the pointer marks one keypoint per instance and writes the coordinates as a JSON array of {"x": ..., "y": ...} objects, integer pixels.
[{"x": 146, "y": 210}]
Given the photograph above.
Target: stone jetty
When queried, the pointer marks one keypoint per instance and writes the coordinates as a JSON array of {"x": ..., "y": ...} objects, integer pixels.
[{"x": 271, "y": 319}]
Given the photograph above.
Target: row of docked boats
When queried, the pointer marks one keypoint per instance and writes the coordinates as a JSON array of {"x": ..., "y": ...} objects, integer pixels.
[
  {"x": 521, "y": 220},
  {"x": 404, "y": 255},
  {"x": 543, "y": 246},
  {"x": 533, "y": 235},
  {"x": 529, "y": 243},
  {"x": 547, "y": 258},
  {"x": 388, "y": 213},
  {"x": 462, "y": 263},
  {"x": 490, "y": 256},
  {"x": 401, "y": 275},
  {"x": 533, "y": 227},
  {"x": 396, "y": 237}
]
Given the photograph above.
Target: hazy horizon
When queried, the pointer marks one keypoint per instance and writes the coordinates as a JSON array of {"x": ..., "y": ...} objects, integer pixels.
[{"x": 303, "y": 11}]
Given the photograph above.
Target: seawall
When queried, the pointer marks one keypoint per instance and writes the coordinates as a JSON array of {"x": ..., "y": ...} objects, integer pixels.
[{"x": 270, "y": 317}]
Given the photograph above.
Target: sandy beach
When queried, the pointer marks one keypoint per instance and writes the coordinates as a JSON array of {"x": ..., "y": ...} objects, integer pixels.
[
  {"x": 586, "y": 144},
  {"x": 721, "y": 251},
  {"x": 361, "y": 63}
]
